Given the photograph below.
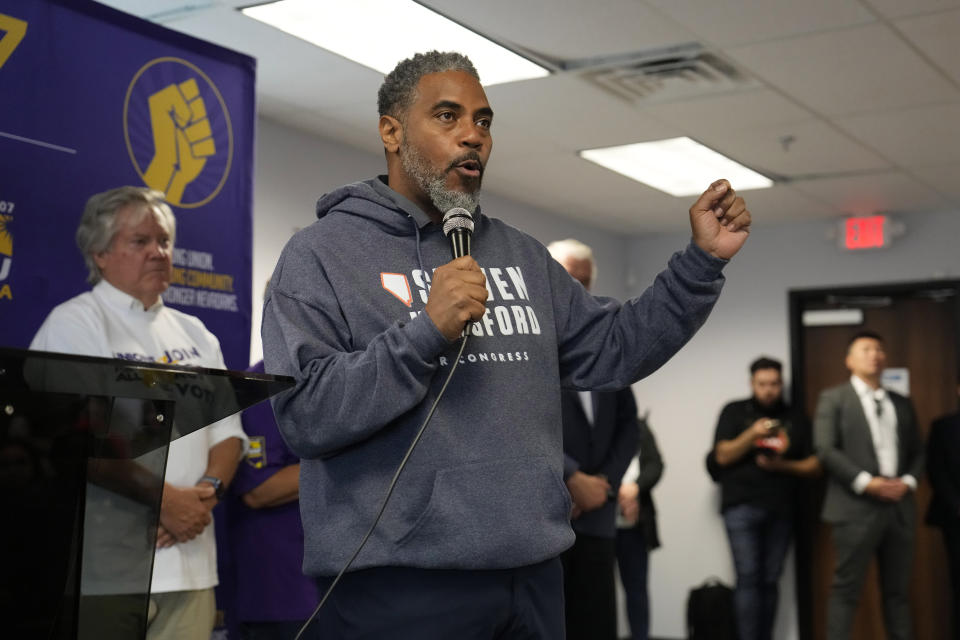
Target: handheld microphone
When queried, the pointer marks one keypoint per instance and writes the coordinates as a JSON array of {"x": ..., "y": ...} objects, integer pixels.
[{"x": 458, "y": 226}]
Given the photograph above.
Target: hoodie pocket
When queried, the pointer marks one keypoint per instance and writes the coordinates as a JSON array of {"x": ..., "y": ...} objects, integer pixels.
[{"x": 492, "y": 515}]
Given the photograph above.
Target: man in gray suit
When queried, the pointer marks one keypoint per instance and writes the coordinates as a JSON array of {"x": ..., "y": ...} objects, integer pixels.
[{"x": 866, "y": 438}]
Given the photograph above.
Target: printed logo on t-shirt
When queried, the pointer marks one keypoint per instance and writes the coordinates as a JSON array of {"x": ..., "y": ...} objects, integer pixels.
[
  {"x": 257, "y": 453},
  {"x": 396, "y": 283},
  {"x": 169, "y": 356}
]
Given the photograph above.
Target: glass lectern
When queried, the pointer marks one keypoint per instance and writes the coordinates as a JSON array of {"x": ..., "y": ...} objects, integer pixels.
[{"x": 83, "y": 448}]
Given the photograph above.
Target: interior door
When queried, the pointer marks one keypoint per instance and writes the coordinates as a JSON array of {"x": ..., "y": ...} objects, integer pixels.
[{"x": 919, "y": 325}]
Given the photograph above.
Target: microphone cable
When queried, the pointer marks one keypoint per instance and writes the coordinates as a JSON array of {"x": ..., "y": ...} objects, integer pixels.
[{"x": 390, "y": 488}]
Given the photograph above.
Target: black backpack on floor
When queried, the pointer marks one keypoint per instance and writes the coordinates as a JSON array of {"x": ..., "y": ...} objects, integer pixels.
[{"x": 710, "y": 612}]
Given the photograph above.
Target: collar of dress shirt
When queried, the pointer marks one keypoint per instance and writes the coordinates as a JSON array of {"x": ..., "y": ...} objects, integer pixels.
[{"x": 862, "y": 389}]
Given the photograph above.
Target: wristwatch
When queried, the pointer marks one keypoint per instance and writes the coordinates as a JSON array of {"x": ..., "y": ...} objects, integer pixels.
[{"x": 218, "y": 488}]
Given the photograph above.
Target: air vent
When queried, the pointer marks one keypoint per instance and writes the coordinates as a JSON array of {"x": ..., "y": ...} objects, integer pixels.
[{"x": 663, "y": 75}]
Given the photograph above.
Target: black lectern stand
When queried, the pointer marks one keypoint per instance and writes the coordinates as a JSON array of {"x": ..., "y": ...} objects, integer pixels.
[{"x": 83, "y": 448}]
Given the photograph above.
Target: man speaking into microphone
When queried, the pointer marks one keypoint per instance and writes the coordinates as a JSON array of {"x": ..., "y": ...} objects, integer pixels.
[{"x": 366, "y": 310}]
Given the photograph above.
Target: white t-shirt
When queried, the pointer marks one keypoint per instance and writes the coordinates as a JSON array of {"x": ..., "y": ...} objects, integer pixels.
[{"x": 108, "y": 323}]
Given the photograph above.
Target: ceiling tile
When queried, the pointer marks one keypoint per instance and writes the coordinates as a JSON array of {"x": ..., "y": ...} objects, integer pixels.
[
  {"x": 316, "y": 78},
  {"x": 736, "y": 22},
  {"x": 899, "y": 8},
  {"x": 886, "y": 192},
  {"x": 804, "y": 148},
  {"x": 572, "y": 113},
  {"x": 574, "y": 188},
  {"x": 911, "y": 137},
  {"x": 938, "y": 37},
  {"x": 511, "y": 138},
  {"x": 734, "y": 111},
  {"x": 783, "y": 203},
  {"x": 567, "y": 29},
  {"x": 944, "y": 178},
  {"x": 156, "y": 10},
  {"x": 769, "y": 133},
  {"x": 851, "y": 71},
  {"x": 340, "y": 126}
]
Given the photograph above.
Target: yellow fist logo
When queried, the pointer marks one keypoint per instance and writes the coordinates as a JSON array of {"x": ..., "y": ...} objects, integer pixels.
[
  {"x": 178, "y": 131},
  {"x": 6, "y": 238},
  {"x": 6, "y": 253},
  {"x": 182, "y": 139}
]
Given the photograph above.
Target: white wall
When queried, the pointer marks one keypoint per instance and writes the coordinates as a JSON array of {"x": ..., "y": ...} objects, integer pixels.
[
  {"x": 293, "y": 169},
  {"x": 750, "y": 319}
]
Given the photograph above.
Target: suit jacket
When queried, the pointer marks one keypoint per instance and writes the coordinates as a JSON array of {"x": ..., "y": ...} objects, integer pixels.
[
  {"x": 604, "y": 448},
  {"x": 943, "y": 466},
  {"x": 651, "y": 469},
  {"x": 844, "y": 446}
]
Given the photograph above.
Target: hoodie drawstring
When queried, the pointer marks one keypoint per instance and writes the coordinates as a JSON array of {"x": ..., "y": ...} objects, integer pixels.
[{"x": 416, "y": 229}]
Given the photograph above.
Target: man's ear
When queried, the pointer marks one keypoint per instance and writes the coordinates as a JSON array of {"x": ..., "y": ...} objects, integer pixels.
[
  {"x": 391, "y": 133},
  {"x": 100, "y": 259}
]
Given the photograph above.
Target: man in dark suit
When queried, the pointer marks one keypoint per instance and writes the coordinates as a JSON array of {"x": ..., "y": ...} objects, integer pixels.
[
  {"x": 637, "y": 533},
  {"x": 867, "y": 440},
  {"x": 943, "y": 467},
  {"x": 600, "y": 434}
]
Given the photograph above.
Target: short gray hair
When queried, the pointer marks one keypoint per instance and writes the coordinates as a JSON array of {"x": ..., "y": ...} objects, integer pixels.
[
  {"x": 98, "y": 225},
  {"x": 575, "y": 249},
  {"x": 399, "y": 88}
]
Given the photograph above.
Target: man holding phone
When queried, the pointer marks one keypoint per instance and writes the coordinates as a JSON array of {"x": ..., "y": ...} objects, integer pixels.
[{"x": 760, "y": 451}]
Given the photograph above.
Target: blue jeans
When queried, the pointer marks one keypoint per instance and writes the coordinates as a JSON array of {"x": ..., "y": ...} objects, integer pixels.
[{"x": 759, "y": 540}]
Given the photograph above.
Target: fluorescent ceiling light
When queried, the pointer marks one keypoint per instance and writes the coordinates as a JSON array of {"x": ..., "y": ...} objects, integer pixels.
[
  {"x": 381, "y": 33},
  {"x": 678, "y": 166}
]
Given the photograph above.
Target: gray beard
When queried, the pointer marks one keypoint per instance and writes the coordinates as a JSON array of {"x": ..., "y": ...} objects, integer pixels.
[{"x": 434, "y": 184}]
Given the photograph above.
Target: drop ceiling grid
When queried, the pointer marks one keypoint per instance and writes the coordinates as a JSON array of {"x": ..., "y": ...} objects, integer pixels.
[
  {"x": 936, "y": 36},
  {"x": 916, "y": 137},
  {"x": 567, "y": 29},
  {"x": 739, "y": 22},
  {"x": 857, "y": 70},
  {"x": 891, "y": 192},
  {"x": 899, "y": 8}
]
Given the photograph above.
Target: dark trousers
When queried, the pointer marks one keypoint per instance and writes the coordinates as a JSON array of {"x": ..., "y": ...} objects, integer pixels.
[
  {"x": 277, "y": 630},
  {"x": 589, "y": 589},
  {"x": 632, "y": 557},
  {"x": 887, "y": 534},
  {"x": 951, "y": 538},
  {"x": 388, "y": 603},
  {"x": 759, "y": 540}
]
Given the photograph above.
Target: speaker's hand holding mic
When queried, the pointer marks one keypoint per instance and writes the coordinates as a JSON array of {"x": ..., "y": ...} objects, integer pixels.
[{"x": 458, "y": 294}]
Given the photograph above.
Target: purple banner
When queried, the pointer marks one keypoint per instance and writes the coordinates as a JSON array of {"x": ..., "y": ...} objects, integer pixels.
[{"x": 91, "y": 99}]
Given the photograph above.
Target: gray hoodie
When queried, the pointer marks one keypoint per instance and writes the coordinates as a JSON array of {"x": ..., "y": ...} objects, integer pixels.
[{"x": 484, "y": 488}]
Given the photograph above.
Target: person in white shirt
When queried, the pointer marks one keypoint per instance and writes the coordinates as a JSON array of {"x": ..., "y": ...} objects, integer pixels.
[
  {"x": 867, "y": 440},
  {"x": 126, "y": 236}
]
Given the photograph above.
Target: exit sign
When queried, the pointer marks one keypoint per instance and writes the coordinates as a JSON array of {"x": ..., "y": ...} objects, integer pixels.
[{"x": 865, "y": 232}]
